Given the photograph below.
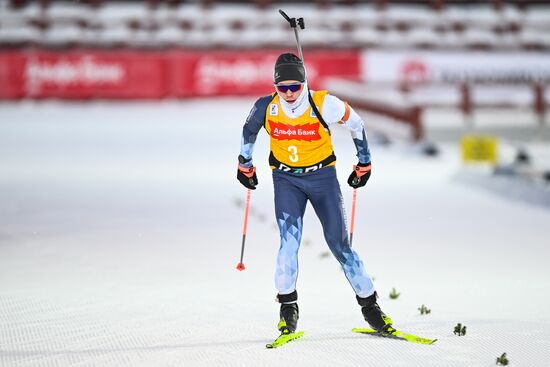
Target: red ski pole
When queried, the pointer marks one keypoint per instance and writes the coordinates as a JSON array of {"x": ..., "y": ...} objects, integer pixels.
[
  {"x": 352, "y": 225},
  {"x": 240, "y": 265}
]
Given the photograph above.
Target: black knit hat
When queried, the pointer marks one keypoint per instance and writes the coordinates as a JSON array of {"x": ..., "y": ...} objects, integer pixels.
[{"x": 289, "y": 67}]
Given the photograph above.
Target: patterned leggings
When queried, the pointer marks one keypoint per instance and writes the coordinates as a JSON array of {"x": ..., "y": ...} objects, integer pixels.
[{"x": 321, "y": 188}]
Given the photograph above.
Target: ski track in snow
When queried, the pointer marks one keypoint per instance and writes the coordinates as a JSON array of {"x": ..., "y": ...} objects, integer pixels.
[{"x": 120, "y": 230}]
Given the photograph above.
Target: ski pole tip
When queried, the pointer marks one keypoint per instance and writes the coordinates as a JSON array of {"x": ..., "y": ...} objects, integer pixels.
[{"x": 240, "y": 267}]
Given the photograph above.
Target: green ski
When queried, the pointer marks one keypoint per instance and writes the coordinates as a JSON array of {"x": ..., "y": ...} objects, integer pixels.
[
  {"x": 395, "y": 334},
  {"x": 284, "y": 338}
]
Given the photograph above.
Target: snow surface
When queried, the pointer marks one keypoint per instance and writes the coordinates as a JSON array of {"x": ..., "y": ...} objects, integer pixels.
[{"x": 120, "y": 230}]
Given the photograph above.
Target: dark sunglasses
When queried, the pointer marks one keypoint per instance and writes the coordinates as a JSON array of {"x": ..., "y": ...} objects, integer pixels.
[{"x": 283, "y": 88}]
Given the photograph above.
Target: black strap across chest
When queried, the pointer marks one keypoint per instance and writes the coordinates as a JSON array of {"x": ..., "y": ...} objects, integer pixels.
[
  {"x": 316, "y": 111},
  {"x": 313, "y": 107}
]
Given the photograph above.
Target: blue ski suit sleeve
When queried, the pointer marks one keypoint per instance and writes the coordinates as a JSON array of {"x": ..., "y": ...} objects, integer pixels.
[
  {"x": 254, "y": 123},
  {"x": 362, "y": 146}
]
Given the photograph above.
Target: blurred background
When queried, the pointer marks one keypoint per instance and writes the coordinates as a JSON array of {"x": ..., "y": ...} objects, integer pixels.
[
  {"x": 425, "y": 69},
  {"x": 121, "y": 217}
]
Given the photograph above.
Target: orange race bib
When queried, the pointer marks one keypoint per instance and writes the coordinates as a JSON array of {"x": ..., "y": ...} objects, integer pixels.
[{"x": 298, "y": 142}]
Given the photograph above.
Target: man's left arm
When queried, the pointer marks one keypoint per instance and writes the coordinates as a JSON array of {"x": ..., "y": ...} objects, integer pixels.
[{"x": 338, "y": 111}]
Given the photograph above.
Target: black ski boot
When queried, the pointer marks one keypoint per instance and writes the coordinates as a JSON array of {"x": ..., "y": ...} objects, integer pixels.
[
  {"x": 288, "y": 313},
  {"x": 373, "y": 314},
  {"x": 289, "y": 318}
]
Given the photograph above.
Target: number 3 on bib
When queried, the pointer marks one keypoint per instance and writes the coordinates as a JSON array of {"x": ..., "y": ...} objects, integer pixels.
[{"x": 293, "y": 153}]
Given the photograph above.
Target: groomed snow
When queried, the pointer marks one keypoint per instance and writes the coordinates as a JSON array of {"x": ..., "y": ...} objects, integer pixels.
[{"x": 120, "y": 230}]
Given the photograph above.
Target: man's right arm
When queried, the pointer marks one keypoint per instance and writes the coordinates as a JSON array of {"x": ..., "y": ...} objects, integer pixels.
[{"x": 254, "y": 123}]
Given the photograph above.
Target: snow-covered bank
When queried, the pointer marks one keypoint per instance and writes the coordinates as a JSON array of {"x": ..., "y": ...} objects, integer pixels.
[{"x": 120, "y": 233}]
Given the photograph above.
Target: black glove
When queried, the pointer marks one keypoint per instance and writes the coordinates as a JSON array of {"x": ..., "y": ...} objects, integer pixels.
[
  {"x": 360, "y": 175},
  {"x": 247, "y": 176}
]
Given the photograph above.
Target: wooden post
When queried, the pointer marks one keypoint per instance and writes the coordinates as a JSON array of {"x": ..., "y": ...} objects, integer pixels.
[
  {"x": 416, "y": 120},
  {"x": 539, "y": 104},
  {"x": 466, "y": 104}
]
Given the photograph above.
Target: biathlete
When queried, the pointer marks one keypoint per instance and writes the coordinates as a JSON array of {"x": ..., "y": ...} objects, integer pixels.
[{"x": 302, "y": 159}]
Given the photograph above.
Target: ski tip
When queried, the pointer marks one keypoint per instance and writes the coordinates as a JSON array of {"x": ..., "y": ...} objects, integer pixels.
[
  {"x": 283, "y": 339},
  {"x": 396, "y": 334},
  {"x": 240, "y": 267}
]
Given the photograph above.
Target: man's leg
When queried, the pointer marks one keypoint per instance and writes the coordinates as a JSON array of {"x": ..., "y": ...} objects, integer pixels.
[
  {"x": 290, "y": 204},
  {"x": 326, "y": 198}
]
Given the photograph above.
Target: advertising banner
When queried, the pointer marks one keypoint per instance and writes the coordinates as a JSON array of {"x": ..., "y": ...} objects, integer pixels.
[
  {"x": 12, "y": 69},
  {"x": 455, "y": 67},
  {"x": 87, "y": 74},
  {"x": 250, "y": 72},
  {"x": 94, "y": 75}
]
